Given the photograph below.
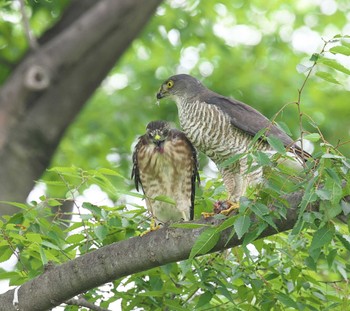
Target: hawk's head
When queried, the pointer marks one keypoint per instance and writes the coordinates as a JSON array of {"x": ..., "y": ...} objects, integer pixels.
[
  {"x": 182, "y": 86},
  {"x": 157, "y": 132}
]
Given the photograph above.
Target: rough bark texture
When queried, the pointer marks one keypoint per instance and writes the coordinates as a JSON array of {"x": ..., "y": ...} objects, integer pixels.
[
  {"x": 51, "y": 84},
  {"x": 117, "y": 260}
]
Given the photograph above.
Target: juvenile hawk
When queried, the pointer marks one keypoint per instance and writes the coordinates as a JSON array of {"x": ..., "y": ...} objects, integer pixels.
[
  {"x": 222, "y": 127},
  {"x": 165, "y": 164}
]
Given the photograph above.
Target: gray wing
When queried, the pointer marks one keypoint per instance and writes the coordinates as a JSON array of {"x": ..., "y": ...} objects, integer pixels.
[
  {"x": 135, "y": 173},
  {"x": 247, "y": 119}
]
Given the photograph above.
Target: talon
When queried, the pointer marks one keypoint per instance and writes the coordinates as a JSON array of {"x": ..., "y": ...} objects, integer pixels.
[
  {"x": 207, "y": 214},
  {"x": 153, "y": 227},
  {"x": 225, "y": 207}
]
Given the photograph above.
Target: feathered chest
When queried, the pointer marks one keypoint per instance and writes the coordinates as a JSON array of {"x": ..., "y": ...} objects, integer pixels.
[
  {"x": 210, "y": 130},
  {"x": 165, "y": 159}
]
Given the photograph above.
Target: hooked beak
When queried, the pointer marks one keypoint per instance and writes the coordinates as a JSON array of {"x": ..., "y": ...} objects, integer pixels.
[
  {"x": 157, "y": 140},
  {"x": 161, "y": 92}
]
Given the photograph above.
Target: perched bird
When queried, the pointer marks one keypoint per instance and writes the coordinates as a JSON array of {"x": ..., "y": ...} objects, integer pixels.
[
  {"x": 221, "y": 128},
  {"x": 165, "y": 164}
]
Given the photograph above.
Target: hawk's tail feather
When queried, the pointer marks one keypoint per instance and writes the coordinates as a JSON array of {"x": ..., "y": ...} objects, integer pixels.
[{"x": 302, "y": 154}]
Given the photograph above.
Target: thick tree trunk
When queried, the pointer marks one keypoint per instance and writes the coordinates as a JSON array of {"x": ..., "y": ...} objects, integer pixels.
[{"x": 51, "y": 84}]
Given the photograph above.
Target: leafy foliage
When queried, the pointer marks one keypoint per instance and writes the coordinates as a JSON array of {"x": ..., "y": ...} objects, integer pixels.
[{"x": 306, "y": 268}]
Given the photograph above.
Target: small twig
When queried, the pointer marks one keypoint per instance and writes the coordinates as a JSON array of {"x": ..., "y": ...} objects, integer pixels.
[
  {"x": 82, "y": 302},
  {"x": 76, "y": 205},
  {"x": 33, "y": 43},
  {"x": 298, "y": 103}
]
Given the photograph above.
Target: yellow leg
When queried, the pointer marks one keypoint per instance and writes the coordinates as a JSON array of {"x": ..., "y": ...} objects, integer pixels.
[
  {"x": 227, "y": 207},
  {"x": 153, "y": 227}
]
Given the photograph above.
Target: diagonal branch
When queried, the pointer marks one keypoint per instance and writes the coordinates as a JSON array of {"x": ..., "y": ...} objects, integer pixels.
[{"x": 60, "y": 283}]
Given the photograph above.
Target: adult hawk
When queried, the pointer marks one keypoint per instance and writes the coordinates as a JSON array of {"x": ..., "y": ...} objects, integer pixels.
[
  {"x": 165, "y": 164},
  {"x": 222, "y": 127}
]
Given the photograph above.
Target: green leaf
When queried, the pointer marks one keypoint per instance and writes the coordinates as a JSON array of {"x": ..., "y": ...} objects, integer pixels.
[
  {"x": 331, "y": 172},
  {"x": 324, "y": 194},
  {"x": 54, "y": 202},
  {"x": 166, "y": 199},
  {"x": 331, "y": 257},
  {"x": 242, "y": 225},
  {"x": 262, "y": 158},
  {"x": 205, "y": 242},
  {"x": 276, "y": 144},
  {"x": 16, "y": 204},
  {"x": 284, "y": 127},
  {"x": 302, "y": 68},
  {"x": 226, "y": 224},
  {"x": 322, "y": 237},
  {"x": 262, "y": 211},
  {"x": 204, "y": 299},
  {"x": 254, "y": 234},
  {"x": 344, "y": 241},
  {"x": 345, "y": 41},
  {"x": 335, "y": 65},
  {"x": 340, "y": 50},
  {"x": 43, "y": 256},
  {"x": 345, "y": 207},
  {"x": 314, "y": 57},
  {"x": 75, "y": 238},
  {"x": 96, "y": 210},
  {"x": 231, "y": 160},
  {"x": 327, "y": 77},
  {"x": 101, "y": 232},
  {"x": 5, "y": 253},
  {"x": 107, "y": 171},
  {"x": 34, "y": 237},
  {"x": 287, "y": 301},
  {"x": 312, "y": 137}
]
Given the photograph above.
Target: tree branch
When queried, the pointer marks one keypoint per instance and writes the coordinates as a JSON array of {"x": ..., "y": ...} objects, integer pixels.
[{"x": 60, "y": 283}]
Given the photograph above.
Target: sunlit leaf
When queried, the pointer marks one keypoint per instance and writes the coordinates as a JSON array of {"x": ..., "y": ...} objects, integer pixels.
[
  {"x": 340, "y": 50},
  {"x": 335, "y": 65},
  {"x": 327, "y": 77}
]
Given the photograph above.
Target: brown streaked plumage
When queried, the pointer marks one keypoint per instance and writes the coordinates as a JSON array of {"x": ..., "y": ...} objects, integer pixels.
[
  {"x": 165, "y": 164},
  {"x": 221, "y": 128}
]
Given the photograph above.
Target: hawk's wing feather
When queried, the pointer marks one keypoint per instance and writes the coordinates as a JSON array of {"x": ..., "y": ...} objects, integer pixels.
[
  {"x": 195, "y": 174},
  {"x": 135, "y": 173},
  {"x": 248, "y": 119},
  {"x": 251, "y": 121}
]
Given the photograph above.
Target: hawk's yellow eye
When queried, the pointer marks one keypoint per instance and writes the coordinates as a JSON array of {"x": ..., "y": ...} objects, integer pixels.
[{"x": 170, "y": 84}]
